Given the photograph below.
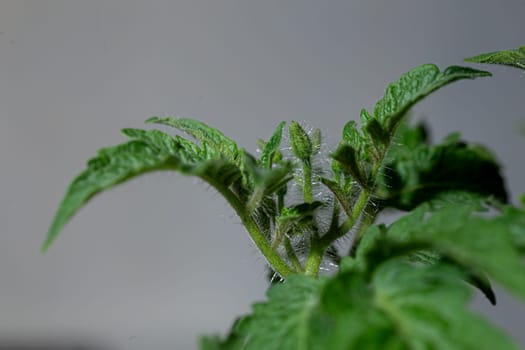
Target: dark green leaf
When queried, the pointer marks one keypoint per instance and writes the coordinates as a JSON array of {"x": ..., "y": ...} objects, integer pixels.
[
  {"x": 416, "y": 172},
  {"x": 338, "y": 192},
  {"x": 264, "y": 181},
  {"x": 378, "y": 135},
  {"x": 348, "y": 157},
  {"x": 297, "y": 213},
  {"x": 513, "y": 58},
  {"x": 411, "y": 87}
]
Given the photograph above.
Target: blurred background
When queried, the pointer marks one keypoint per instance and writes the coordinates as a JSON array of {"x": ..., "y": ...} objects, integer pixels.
[{"x": 159, "y": 260}]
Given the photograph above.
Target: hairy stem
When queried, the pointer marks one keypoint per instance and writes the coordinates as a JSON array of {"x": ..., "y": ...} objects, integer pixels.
[
  {"x": 273, "y": 258},
  {"x": 367, "y": 220},
  {"x": 307, "y": 181},
  {"x": 351, "y": 220},
  {"x": 313, "y": 262}
]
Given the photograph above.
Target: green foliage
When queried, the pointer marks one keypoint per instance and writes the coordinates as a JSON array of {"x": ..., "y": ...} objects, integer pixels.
[
  {"x": 400, "y": 286},
  {"x": 513, "y": 57},
  {"x": 418, "y": 172},
  {"x": 271, "y": 151},
  {"x": 112, "y": 166},
  {"x": 398, "y": 307}
]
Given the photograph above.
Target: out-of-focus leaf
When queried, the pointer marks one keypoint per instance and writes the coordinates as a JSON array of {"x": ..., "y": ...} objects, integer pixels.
[
  {"x": 416, "y": 172},
  {"x": 400, "y": 306},
  {"x": 513, "y": 58},
  {"x": 461, "y": 233}
]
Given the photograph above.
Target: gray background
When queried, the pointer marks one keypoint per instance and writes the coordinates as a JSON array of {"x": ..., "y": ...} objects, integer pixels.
[{"x": 161, "y": 259}]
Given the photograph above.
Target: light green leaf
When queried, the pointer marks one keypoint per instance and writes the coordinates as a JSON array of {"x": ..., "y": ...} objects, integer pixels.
[
  {"x": 513, "y": 58},
  {"x": 271, "y": 148},
  {"x": 217, "y": 144},
  {"x": 234, "y": 341},
  {"x": 316, "y": 141},
  {"x": 400, "y": 307},
  {"x": 460, "y": 232},
  {"x": 377, "y": 247},
  {"x": 352, "y": 135},
  {"x": 514, "y": 218},
  {"x": 112, "y": 166},
  {"x": 283, "y": 323},
  {"x": 151, "y": 150}
]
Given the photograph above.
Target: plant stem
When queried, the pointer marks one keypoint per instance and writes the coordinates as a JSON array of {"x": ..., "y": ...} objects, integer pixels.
[
  {"x": 273, "y": 258},
  {"x": 313, "y": 262},
  {"x": 307, "y": 181},
  {"x": 367, "y": 220},
  {"x": 358, "y": 209}
]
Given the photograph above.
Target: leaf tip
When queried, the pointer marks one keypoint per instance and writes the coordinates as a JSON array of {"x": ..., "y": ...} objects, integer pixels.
[{"x": 152, "y": 120}]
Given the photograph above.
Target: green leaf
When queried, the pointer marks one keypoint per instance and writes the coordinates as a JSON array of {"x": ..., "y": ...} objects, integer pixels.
[
  {"x": 513, "y": 58},
  {"x": 403, "y": 307},
  {"x": 151, "y": 150},
  {"x": 339, "y": 194},
  {"x": 411, "y": 87},
  {"x": 348, "y": 157},
  {"x": 362, "y": 154},
  {"x": 217, "y": 144},
  {"x": 283, "y": 322},
  {"x": 400, "y": 307},
  {"x": 112, "y": 166},
  {"x": 264, "y": 181},
  {"x": 429, "y": 308},
  {"x": 377, "y": 247},
  {"x": 352, "y": 135},
  {"x": 271, "y": 148},
  {"x": 514, "y": 218},
  {"x": 234, "y": 341},
  {"x": 461, "y": 233},
  {"x": 298, "y": 212},
  {"x": 416, "y": 172},
  {"x": 316, "y": 141},
  {"x": 378, "y": 135}
]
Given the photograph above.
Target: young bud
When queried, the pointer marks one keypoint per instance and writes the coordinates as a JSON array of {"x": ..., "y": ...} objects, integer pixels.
[{"x": 300, "y": 142}]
